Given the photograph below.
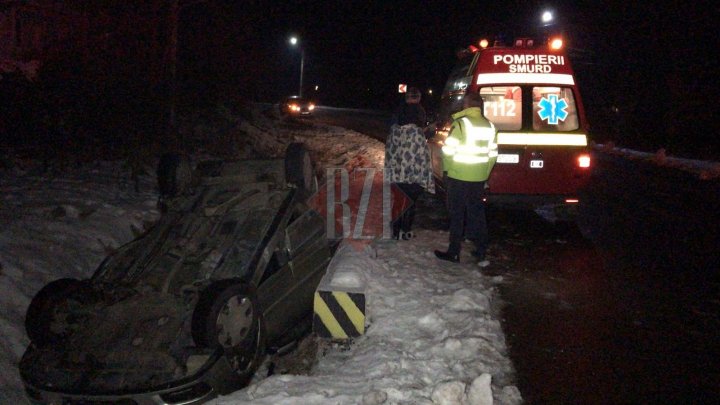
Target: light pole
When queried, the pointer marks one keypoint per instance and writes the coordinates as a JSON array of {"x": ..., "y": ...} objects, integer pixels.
[{"x": 294, "y": 41}]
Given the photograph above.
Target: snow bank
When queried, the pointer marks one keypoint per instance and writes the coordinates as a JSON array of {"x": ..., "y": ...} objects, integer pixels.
[
  {"x": 54, "y": 227},
  {"x": 432, "y": 338},
  {"x": 705, "y": 170}
]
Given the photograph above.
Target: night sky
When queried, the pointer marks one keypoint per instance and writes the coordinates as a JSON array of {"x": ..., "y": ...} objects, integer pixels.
[
  {"x": 645, "y": 68},
  {"x": 352, "y": 45},
  {"x": 358, "y": 52},
  {"x": 642, "y": 67},
  {"x": 647, "y": 71}
]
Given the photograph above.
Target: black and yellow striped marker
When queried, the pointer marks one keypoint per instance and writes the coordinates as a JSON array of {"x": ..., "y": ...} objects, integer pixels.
[{"x": 339, "y": 314}]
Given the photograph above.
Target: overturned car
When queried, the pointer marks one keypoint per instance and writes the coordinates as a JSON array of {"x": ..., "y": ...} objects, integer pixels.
[{"x": 186, "y": 311}]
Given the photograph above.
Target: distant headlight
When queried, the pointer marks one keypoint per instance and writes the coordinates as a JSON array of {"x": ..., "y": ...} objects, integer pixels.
[
  {"x": 311, "y": 107},
  {"x": 294, "y": 107}
]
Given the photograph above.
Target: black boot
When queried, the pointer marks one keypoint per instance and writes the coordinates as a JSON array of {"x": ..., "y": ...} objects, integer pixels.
[
  {"x": 451, "y": 257},
  {"x": 479, "y": 254}
]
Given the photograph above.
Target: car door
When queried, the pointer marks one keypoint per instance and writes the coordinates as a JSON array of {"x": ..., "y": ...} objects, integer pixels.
[
  {"x": 309, "y": 255},
  {"x": 296, "y": 265}
]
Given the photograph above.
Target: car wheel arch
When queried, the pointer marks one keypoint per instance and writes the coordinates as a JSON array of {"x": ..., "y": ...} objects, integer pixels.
[
  {"x": 299, "y": 169},
  {"x": 246, "y": 353},
  {"x": 40, "y": 313}
]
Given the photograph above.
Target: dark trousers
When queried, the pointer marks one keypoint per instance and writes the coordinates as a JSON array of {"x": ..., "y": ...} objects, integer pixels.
[
  {"x": 467, "y": 214},
  {"x": 404, "y": 223}
]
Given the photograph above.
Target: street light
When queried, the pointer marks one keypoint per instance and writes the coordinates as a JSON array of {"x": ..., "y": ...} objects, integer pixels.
[
  {"x": 294, "y": 41},
  {"x": 547, "y": 17}
]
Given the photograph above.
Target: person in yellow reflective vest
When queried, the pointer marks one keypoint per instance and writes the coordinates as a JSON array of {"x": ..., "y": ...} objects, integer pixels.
[{"x": 469, "y": 154}]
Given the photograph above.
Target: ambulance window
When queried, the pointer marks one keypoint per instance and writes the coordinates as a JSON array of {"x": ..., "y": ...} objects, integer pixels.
[
  {"x": 454, "y": 92},
  {"x": 503, "y": 106},
  {"x": 456, "y": 83},
  {"x": 554, "y": 109}
]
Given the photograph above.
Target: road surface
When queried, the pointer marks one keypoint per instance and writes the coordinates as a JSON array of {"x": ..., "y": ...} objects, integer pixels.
[
  {"x": 373, "y": 123},
  {"x": 630, "y": 313}
]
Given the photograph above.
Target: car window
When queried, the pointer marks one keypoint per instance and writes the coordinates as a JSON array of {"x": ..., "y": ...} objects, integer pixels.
[
  {"x": 503, "y": 106},
  {"x": 303, "y": 230},
  {"x": 277, "y": 262}
]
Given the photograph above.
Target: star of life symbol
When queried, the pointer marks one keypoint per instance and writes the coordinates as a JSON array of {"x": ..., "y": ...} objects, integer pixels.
[{"x": 552, "y": 109}]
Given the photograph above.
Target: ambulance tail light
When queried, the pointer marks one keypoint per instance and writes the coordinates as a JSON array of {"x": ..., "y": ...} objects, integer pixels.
[
  {"x": 556, "y": 44},
  {"x": 583, "y": 161}
]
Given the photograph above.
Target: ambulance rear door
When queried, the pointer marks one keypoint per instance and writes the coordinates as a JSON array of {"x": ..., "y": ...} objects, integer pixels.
[
  {"x": 539, "y": 139},
  {"x": 531, "y": 97}
]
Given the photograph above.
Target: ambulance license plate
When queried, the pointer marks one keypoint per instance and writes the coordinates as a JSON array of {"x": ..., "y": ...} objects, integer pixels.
[
  {"x": 508, "y": 158},
  {"x": 536, "y": 164}
]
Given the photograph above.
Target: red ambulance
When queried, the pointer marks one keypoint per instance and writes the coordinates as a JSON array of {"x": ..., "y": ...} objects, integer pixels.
[{"x": 531, "y": 96}]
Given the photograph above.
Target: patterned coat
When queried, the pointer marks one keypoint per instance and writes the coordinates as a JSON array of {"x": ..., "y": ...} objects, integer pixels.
[{"x": 407, "y": 157}]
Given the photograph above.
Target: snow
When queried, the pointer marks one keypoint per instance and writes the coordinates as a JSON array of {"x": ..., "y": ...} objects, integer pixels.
[
  {"x": 703, "y": 169},
  {"x": 433, "y": 335}
]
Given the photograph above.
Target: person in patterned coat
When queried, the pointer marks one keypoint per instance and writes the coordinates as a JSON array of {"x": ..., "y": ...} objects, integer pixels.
[{"x": 407, "y": 159}]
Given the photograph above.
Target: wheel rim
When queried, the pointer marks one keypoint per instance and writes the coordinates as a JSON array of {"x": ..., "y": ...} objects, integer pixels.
[
  {"x": 242, "y": 358},
  {"x": 234, "y": 321}
]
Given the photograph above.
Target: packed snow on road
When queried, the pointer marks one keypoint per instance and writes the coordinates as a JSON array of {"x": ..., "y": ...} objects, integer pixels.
[{"x": 433, "y": 334}]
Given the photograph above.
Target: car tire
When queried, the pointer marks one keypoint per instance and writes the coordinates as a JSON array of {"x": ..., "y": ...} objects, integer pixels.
[
  {"x": 227, "y": 317},
  {"x": 44, "y": 324},
  {"x": 299, "y": 169}
]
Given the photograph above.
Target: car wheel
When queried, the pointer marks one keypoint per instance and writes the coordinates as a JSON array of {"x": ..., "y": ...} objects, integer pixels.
[
  {"x": 299, "y": 168},
  {"x": 48, "y": 320},
  {"x": 227, "y": 316}
]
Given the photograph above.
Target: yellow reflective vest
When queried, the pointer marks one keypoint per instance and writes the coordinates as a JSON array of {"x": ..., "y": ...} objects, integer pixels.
[{"x": 470, "y": 151}]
